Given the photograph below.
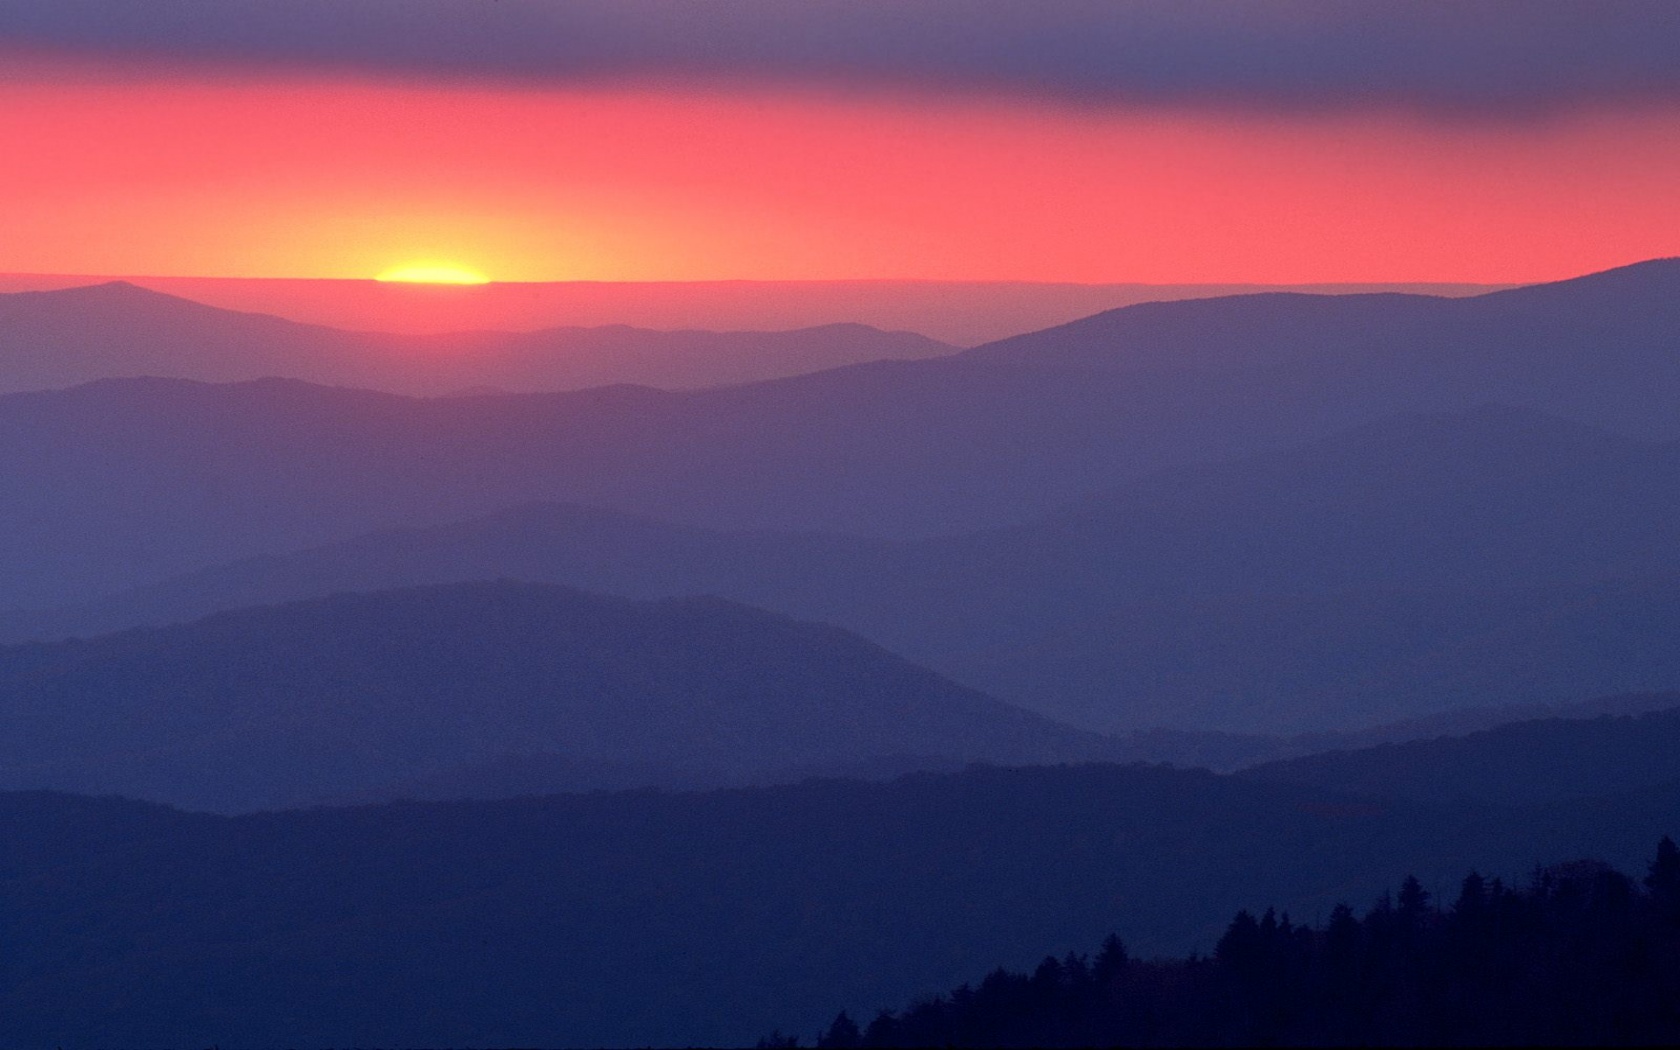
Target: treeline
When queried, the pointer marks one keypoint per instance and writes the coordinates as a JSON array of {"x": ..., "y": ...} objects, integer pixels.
[{"x": 1583, "y": 955}]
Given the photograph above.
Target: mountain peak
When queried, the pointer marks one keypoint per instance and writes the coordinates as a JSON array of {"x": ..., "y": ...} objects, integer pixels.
[
  {"x": 1644, "y": 280},
  {"x": 125, "y": 304},
  {"x": 1564, "y": 335},
  {"x": 113, "y": 291}
]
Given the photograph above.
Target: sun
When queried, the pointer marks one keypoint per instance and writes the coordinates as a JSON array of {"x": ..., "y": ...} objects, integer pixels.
[{"x": 432, "y": 273}]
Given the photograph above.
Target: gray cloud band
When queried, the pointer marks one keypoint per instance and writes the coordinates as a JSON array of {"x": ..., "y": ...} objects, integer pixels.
[{"x": 1497, "y": 58}]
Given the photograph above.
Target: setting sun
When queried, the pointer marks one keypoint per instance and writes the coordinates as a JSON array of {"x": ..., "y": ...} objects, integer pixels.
[{"x": 433, "y": 273}]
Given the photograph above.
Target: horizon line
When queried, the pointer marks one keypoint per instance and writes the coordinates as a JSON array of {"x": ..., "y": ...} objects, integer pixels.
[{"x": 107, "y": 278}]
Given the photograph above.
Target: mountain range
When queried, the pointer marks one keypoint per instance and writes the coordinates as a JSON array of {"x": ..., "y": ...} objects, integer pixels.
[
  {"x": 1526, "y": 762},
  {"x": 1424, "y": 563},
  {"x": 1255, "y": 532},
  {"x": 963, "y": 313},
  {"x": 649, "y": 918},
  {"x": 124, "y": 482},
  {"x": 60, "y": 338},
  {"x": 1575, "y": 348},
  {"x": 352, "y": 694}
]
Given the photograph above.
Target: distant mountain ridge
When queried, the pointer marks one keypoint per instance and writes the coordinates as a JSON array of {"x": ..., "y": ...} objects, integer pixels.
[
  {"x": 1272, "y": 525},
  {"x": 994, "y": 436},
  {"x": 341, "y": 696},
  {"x": 1563, "y": 345},
  {"x": 55, "y": 339},
  {"x": 1387, "y": 573},
  {"x": 962, "y": 313},
  {"x": 1303, "y": 664},
  {"x": 1291, "y": 547},
  {"x": 1538, "y": 761}
]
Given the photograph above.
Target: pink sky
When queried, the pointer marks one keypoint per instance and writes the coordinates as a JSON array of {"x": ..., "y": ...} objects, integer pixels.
[{"x": 309, "y": 177}]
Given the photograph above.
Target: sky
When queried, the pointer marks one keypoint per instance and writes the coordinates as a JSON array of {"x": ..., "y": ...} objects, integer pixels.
[{"x": 648, "y": 140}]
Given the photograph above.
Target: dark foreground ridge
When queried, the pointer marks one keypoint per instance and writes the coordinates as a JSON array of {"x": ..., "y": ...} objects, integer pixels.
[
  {"x": 1582, "y": 956},
  {"x": 681, "y": 919}
]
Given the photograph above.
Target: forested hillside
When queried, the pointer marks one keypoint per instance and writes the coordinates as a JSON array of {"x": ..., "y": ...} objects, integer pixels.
[
  {"x": 708, "y": 918},
  {"x": 1579, "y": 955}
]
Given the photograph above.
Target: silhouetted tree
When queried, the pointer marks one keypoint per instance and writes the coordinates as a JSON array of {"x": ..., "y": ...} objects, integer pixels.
[
  {"x": 1584, "y": 955},
  {"x": 842, "y": 1032},
  {"x": 1664, "y": 878},
  {"x": 1112, "y": 960}
]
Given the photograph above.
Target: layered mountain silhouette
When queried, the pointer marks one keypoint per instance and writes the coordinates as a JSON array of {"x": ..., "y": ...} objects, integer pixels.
[
  {"x": 963, "y": 313},
  {"x": 120, "y": 483},
  {"x": 585, "y": 547},
  {"x": 1152, "y": 518},
  {"x": 649, "y": 918},
  {"x": 1574, "y": 347},
  {"x": 1423, "y": 563},
  {"x": 1487, "y": 497},
  {"x": 1292, "y": 663},
  {"x": 348, "y": 695},
  {"x": 1227, "y": 752},
  {"x": 61, "y": 338},
  {"x": 1545, "y": 760}
]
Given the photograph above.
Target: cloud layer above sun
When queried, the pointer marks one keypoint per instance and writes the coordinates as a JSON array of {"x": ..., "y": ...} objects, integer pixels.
[
  {"x": 1175, "y": 141},
  {"x": 1487, "y": 58}
]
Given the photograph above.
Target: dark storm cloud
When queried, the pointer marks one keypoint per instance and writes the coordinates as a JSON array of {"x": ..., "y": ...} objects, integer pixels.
[{"x": 1480, "y": 57}]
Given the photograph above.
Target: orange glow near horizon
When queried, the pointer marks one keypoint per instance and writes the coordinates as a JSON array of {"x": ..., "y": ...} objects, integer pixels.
[
  {"x": 432, "y": 273},
  {"x": 337, "y": 180}
]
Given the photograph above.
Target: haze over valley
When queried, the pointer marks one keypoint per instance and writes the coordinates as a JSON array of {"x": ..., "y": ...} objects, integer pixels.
[
  {"x": 1207, "y": 533},
  {"x": 1447, "y": 535},
  {"x": 976, "y": 523}
]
